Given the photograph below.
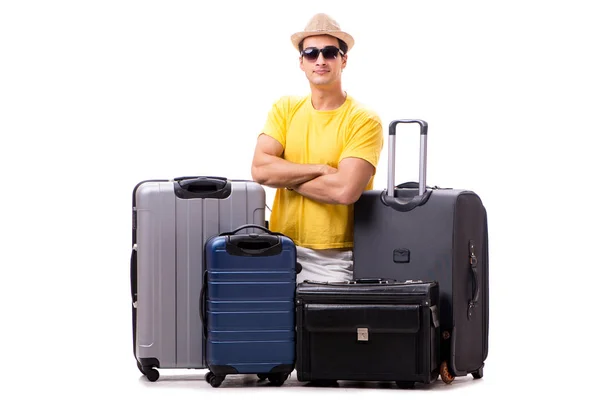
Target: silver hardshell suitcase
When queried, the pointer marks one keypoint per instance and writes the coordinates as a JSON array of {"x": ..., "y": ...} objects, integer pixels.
[{"x": 172, "y": 219}]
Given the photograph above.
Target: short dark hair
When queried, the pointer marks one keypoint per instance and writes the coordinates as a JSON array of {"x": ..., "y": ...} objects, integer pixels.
[{"x": 343, "y": 46}]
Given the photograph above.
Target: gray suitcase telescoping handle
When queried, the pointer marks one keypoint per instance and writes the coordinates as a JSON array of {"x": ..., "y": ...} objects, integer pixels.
[{"x": 390, "y": 198}]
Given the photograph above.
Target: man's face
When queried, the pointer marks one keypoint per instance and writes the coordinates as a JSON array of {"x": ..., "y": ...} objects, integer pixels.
[{"x": 322, "y": 71}]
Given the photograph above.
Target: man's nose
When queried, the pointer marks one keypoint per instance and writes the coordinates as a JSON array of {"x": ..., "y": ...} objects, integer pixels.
[{"x": 320, "y": 59}]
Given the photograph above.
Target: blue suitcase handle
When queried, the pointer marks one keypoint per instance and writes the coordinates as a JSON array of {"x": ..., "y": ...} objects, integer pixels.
[
  {"x": 276, "y": 248},
  {"x": 254, "y": 245},
  {"x": 202, "y": 305},
  {"x": 250, "y": 226}
]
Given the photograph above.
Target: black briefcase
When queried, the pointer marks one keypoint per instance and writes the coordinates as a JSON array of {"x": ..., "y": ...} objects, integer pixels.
[{"x": 368, "y": 330}]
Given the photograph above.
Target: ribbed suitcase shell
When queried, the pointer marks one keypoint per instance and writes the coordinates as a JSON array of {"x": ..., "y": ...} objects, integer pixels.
[
  {"x": 171, "y": 222},
  {"x": 250, "y": 304}
]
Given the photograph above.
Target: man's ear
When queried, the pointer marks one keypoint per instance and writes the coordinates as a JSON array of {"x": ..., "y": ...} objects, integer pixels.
[
  {"x": 344, "y": 59},
  {"x": 301, "y": 64}
]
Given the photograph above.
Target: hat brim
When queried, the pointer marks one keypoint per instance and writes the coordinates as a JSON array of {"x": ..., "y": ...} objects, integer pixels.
[{"x": 300, "y": 36}]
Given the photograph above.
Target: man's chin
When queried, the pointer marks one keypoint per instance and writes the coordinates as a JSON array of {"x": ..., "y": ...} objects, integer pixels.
[{"x": 320, "y": 82}]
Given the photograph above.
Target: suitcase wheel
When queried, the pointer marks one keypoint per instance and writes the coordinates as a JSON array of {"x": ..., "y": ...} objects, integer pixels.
[
  {"x": 405, "y": 384},
  {"x": 445, "y": 373},
  {"x": 478, "y": 374},
  {"x": 278, "y": 379},
  {"x": 262, "y": 377},
  {"x": 151, "y": 374},
  {"x": 214, "y": 380}
]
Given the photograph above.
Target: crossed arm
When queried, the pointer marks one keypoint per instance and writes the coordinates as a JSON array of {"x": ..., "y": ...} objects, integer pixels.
[{"x": 317, "y": 182}]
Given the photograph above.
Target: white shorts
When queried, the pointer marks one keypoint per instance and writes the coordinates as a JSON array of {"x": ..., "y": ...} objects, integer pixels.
[{"x": 330, "y": 265}]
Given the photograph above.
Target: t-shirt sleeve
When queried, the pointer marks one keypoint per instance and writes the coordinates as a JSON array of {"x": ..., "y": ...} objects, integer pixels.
[
  {"x": 365, "y": 139},
  {"x": 276, "y": 124}
]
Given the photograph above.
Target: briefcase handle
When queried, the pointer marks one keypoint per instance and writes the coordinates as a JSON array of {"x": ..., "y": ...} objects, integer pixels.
[
  {"x": 363, "y": 281},
  {"x": 359, "y": 281}
]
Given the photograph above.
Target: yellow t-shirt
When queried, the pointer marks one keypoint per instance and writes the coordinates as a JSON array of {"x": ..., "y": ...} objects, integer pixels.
[{"x": 310, "y": 136}]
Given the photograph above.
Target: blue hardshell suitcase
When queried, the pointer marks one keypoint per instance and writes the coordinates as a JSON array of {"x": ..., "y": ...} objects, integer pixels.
[{"x": 248, "y": 305}]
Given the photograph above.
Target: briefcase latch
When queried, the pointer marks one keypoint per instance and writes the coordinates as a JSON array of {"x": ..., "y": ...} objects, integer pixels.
[{"x": 363, "y": 334}]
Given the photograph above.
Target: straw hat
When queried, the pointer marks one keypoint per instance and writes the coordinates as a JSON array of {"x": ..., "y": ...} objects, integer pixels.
[{"x": 322, "y": 24}]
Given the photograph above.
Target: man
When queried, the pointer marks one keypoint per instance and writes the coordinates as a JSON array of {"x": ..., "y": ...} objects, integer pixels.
[{"x": 321, "y": 152}]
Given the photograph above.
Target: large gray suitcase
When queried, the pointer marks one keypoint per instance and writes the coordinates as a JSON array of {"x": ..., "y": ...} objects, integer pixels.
[
  {"x": 172, "y": 219},
  {"x": 412, "y": 231}
]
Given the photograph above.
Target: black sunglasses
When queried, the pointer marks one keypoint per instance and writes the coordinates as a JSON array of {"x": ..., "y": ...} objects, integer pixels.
[{"x": 329, "y": 53}]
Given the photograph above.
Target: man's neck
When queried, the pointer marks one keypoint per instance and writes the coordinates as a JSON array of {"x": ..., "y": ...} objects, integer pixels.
[{"x": 327, "y": 99}]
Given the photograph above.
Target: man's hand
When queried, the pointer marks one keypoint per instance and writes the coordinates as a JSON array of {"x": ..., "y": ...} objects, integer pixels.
[
  {"x": 327, "y": 170},
  {"x": 339, "y": 186},
  {"x": 270, "y": 169}
]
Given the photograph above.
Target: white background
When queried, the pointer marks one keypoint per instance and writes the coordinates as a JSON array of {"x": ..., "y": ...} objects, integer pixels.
[{"x": 96, "y": 96}]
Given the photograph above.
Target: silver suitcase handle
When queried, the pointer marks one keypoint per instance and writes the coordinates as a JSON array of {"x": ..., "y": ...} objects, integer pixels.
[
  {"x": 392, "y": 155},
  {"x": 389, "y": 198}
]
